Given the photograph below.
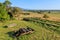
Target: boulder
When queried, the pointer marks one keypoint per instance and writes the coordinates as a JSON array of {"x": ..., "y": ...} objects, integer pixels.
[
  {"x": 12, "y": 25},
  {"x": 23, "y": 31}
]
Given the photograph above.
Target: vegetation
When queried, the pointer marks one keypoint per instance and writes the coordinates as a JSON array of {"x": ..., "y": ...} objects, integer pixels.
[
  {"x": 45, "y": 16},
  {"x": 3, "y": 13},
  {"x": 43, "y": 29},
  {"x": 51, "y": 25}
]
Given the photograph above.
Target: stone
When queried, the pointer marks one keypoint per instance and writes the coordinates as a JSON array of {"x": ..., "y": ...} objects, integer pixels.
[
  {"x": 12, "y": 25},
  {"x": 23, "y": 31}
]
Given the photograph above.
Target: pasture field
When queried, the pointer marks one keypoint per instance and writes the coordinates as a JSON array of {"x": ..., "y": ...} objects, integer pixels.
[
  {"x": 41, "y": 33},
  {"x": 54, "y": 15},
  {"x": 35, "y": 24}
]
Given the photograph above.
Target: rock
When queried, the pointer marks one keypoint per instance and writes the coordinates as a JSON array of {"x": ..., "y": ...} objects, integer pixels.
[
  {"x": 23, "y": 31},
  {"x": 12, "y": 25}
]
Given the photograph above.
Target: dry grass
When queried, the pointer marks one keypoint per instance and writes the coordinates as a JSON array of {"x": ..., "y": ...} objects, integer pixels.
[{"x": 52, "y": 17}]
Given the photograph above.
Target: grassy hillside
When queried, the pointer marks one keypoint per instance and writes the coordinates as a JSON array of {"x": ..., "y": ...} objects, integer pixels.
[
  {"x": 39, "y": 34},
  {"x": 42, "y": 31},
  {"x": 46, "y": 28}
]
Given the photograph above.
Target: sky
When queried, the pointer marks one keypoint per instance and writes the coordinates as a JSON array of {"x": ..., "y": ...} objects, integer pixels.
[{"x": 36, "y": 4}]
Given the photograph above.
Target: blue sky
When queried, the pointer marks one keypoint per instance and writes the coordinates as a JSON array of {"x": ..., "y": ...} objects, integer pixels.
[{"x": 36, "y": 4}]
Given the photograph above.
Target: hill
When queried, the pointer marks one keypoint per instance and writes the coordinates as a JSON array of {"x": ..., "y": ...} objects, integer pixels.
[{"x": 46, "y": 23}]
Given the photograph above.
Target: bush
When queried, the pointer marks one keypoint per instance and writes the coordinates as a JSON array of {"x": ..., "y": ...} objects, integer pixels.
[
  {"x": 45, "y": 16},
  {"x": 4, "y": 15},
  {"x": 25, "y": 19},
  {"x": 26, "y": 13}
]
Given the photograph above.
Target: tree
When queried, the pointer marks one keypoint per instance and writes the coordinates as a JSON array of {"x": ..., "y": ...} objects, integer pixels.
[
  {"x": 49, "y": 12},
  {"x": 1, "y": 4},
  {"x": 16, "y": 10},
  {"x": 7, "y": 3},
  {"x": 3, "y": 13},
  {"x": 7, "y": 12}
]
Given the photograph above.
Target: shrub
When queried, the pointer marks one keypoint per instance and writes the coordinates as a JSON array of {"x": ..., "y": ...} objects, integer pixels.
[
  {"x": 3, "y": 13},
  {"x": 45, "y": 16},
  {"x": 26, "y": 13},
  {"x": 25, "y": 19}
]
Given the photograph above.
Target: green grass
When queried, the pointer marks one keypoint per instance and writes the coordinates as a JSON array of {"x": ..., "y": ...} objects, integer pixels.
[
  {"x": 39, "y": 34},
  {"x": 53, "y": 25}
]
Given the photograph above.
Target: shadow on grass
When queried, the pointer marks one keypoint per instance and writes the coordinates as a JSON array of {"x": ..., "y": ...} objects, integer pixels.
[
  {"x": 12, "y": 36},
  {"x": 10, "y": 33},
  {"x": 5, "y": 26}
]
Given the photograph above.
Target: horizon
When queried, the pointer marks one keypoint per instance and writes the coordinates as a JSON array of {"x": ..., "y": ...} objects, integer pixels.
[{"x": 36, "y": 4}]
